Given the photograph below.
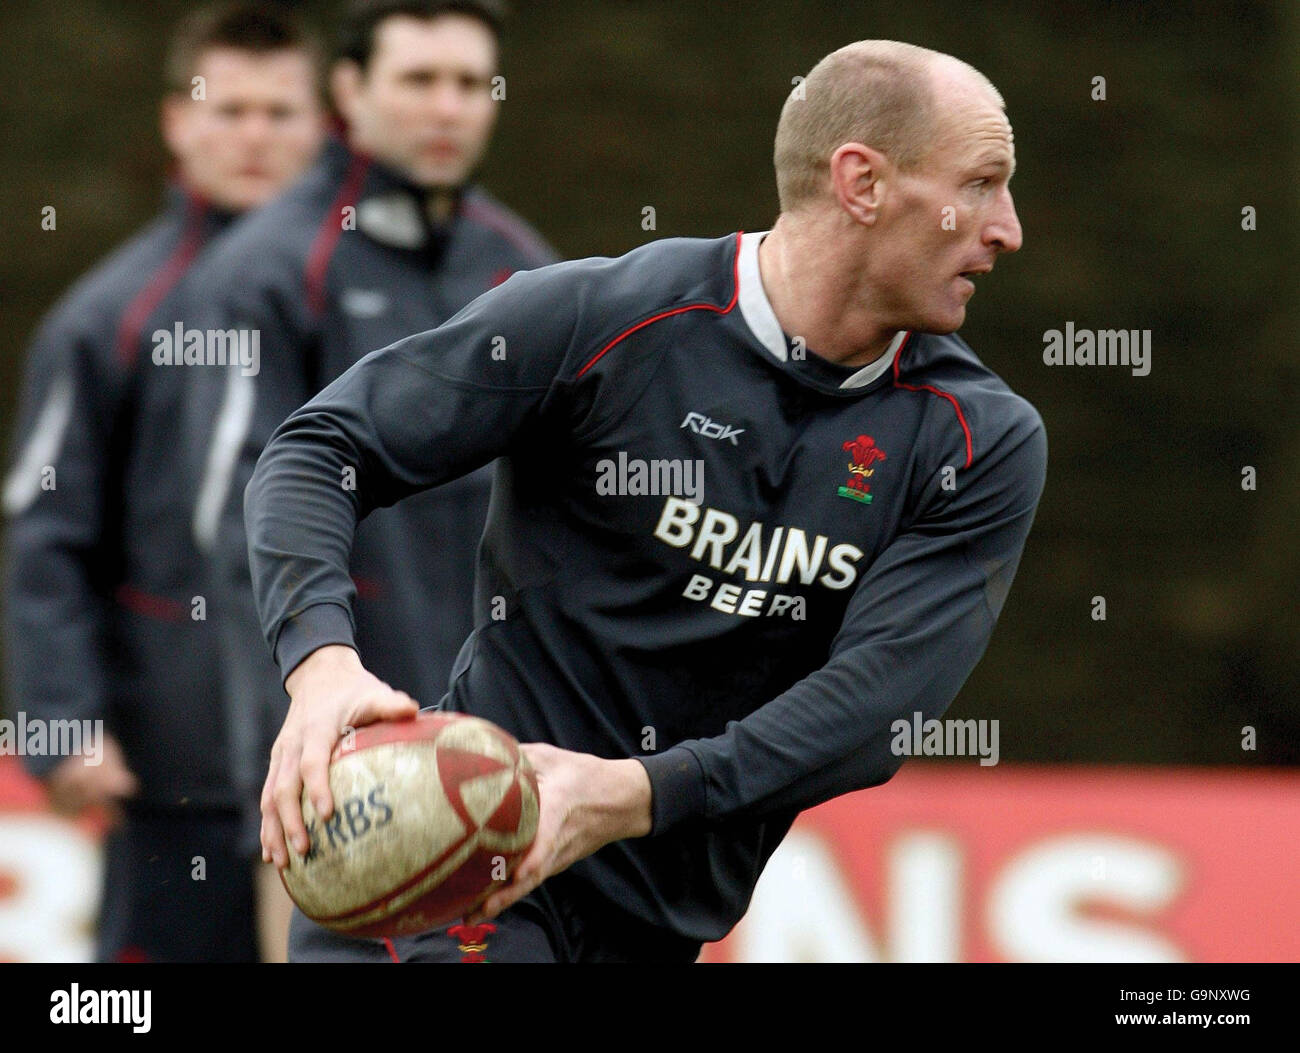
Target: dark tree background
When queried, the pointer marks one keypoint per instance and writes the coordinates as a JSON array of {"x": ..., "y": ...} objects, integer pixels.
[{"x": 1132, "y": 211}]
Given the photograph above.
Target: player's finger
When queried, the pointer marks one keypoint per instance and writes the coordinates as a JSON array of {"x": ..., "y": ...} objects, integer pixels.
[
  {"x": 532, "y": 870},
  {"x": 390, "y": 705},
  {"x": 534, "y": 867},
  {"x": 484, "y": 912},
  {"x": 272, "y": 834},
  {"x": 314, "y": 765},
  {"x": 493, "y": 904},
  {"x": 273, "y": 850},
  {"x": 501, "y": 900},
  {"x": 288, "y": 806}
]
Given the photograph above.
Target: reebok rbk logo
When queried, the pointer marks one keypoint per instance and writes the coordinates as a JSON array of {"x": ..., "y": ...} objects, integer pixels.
[{"x": 712, "y": 429}]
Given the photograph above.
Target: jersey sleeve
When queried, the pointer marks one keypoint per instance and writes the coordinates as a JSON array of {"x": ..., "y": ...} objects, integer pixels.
[
  {"x": 418, "y": 413},
  {"x": 58, "y": 498},
  {"x": 917, "y": 624}
]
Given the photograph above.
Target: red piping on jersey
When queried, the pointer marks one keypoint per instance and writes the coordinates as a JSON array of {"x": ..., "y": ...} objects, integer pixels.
[
  {"x": 735, "y": 293},
  {"x": 329, "y": 232},
  {"x": 961, "y": 417},
  {"x": 392, "y": 951},
  {"x": 162, "y": 282}
]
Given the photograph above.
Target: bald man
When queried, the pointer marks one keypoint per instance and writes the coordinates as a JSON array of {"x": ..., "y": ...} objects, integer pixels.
[{"x": 755, "y": 502}]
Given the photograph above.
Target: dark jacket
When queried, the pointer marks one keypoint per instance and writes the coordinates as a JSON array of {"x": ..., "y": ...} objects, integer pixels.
[{"x": 106, "y": 611}]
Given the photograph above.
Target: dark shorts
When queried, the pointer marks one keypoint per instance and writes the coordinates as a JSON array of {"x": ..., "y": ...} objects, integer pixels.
[
  {"x": 177, "y": 888},
  {"x": 558, "y": 922}
]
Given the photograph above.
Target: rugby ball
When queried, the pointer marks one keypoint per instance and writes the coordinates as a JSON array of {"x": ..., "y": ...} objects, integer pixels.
[{"x": 430, "y": 816}]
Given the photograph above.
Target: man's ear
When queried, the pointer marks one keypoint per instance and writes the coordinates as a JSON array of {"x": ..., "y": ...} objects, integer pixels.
[
  {"x": 859, "y": 179},
  {"x": 345, "y": 88}
]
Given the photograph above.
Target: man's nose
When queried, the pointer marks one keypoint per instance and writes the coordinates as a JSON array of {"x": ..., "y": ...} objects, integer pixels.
[
  {"x": 1004, "y": 231},
  {"x": 447, "y": 100},
  {"x": 258, "y": 127}
]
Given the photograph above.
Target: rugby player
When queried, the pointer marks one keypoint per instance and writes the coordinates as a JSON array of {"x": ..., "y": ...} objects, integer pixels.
[{"x": 688, "y": 670}]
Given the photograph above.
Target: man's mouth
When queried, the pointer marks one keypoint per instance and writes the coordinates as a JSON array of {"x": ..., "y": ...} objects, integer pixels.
[{"x": 442, "y": 148}]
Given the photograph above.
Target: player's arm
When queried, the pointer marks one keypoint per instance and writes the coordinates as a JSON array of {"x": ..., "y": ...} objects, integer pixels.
[
  {"x": 421, "y": 412},
  {"x": 917, "y": 624},
  {"x": 65, "y": 470}
]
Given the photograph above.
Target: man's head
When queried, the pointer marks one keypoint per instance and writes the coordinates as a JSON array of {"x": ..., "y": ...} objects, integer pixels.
[
  {"x": 907, "y": 154},
  {"x": 242, "y": 114},
  {"x": 413, "y": 81}
]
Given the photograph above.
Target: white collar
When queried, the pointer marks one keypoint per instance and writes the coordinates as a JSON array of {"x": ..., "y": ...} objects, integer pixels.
[{"x": 757, "y": 311}]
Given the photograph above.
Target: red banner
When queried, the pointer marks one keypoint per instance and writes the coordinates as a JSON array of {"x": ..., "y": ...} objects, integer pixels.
[{"x": 956, "y": 863}]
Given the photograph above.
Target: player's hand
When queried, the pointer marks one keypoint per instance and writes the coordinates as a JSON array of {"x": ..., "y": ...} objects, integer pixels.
[
  {"x": 329, "y": 692},
  {"x": 75, "y": 785},
  {"x": 586, "y": 802}
]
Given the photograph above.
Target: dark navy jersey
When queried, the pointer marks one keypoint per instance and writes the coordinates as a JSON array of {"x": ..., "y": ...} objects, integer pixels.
[
  {"x": 345, "y": 261},
  {"x": 708, "y": 548},
  {"x": 101, "y": 573}
]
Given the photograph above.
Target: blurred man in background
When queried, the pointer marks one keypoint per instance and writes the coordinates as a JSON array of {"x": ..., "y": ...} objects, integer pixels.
[
  {"x": 383, "y": 238},
  {"x": 105, "y": 605}
]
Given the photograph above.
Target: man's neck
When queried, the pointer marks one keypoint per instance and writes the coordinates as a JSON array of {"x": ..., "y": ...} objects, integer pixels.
[
  {"x": 811, "y": 293},
  {"x": 439, "y": 204},
  {"x": 439, "y": 201}
]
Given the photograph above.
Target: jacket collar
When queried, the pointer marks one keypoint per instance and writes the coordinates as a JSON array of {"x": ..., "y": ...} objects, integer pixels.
[
  {"x": 391, "y": 209},
  {"x": 757, "y": 311},
  {"x": 192, "y": 208}
]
